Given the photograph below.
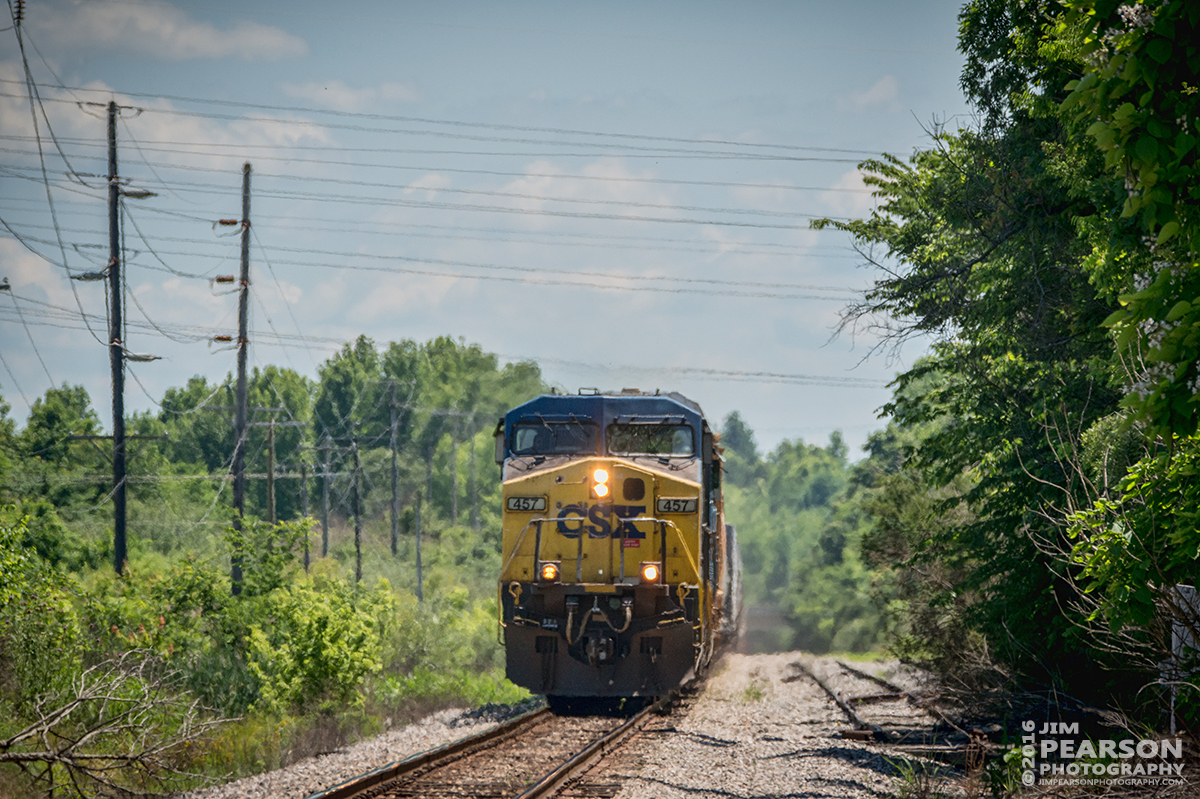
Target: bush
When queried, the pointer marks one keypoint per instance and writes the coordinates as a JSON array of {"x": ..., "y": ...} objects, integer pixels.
[
  {"x": 39, "y": 627},
  {"x": 312, "y": 645}
]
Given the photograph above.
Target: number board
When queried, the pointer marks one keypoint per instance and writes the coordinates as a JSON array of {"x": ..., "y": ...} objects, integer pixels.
[
  {"x": 526, "y": 504},
  {"x": 676, "y": 505}
]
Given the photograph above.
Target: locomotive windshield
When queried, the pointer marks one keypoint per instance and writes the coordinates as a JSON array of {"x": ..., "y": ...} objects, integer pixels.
[
  {"x": 651, "y": 439},
  {"x": 554, "y": 438}
]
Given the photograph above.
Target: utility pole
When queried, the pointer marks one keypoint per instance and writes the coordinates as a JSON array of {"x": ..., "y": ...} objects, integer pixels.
[
  {"x": 357, "y": 518},
  {"x": 304, "y": 510},
  {"x": 474, "y": 489},
  {"x": 239, "y": 447},
  {"x": 395, "y": 475},
  {"x": 417, "y": 530},
  {"x": 116, "y": 347},
  {"x": 325, "y": 475},
  {"x": 271, "y": 515},
  {"x": 453, "y": 479}
]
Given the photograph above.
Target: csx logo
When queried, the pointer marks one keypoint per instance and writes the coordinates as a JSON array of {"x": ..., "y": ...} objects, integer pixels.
[{"x": 597, "y": 521}]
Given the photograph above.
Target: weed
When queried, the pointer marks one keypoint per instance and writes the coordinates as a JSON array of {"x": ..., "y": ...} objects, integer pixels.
[
  {"x": 756, "y": 691},
  {"x": 919, "y": 780}
]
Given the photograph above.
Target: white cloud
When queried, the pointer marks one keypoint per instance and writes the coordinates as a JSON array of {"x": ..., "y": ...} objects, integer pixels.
[
  {"x": 392, "y": 295},
  {"x": 159, "y": 30},
  {"x": 604, "y": 181},
  {"x": 335, "y": 94},
  {"x": 429, "y": 184},
  {"x": 213, "y": 143},
  {"x": 885, "y": 94},
  {"x": 850, "y": 196},
  {"x": 34, "y": 277}
]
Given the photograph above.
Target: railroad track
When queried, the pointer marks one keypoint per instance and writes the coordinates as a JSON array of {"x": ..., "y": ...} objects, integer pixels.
[
  {"x": 531, "y": 756},
  {"x": 881, "y": 712}
]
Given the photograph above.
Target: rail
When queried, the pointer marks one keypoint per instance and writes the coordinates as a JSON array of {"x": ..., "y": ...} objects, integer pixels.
[
  {"x": 357, "y": 785},
  {"x": 593, "y": 752}
]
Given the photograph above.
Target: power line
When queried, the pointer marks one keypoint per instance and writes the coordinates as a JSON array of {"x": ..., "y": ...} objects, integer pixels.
[
  {"x": 737, "y": 375},
  {"x": 628, "y": 151},
  {"x": 359, "y": 226},
  {"x": 483, "y": 193},
  {"x": 640, "y": 243},
  {"x": 466, "y": 124},
  {"x": 638, "y": 279},
  {"x": 439, "y": 169}
]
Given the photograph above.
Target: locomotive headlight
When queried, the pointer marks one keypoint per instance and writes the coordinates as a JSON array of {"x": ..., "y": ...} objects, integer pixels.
[
  {"x": 650, "y": 572},
  {"x": 549, "y": 572},
  {"x": 600, "y": 484}
]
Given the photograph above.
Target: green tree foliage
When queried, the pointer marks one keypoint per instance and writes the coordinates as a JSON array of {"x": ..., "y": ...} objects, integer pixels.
[
  {"x": 197, "y": 434},
  {"x": 743, "y": 464},
  {"x": 9, "y": 455},
  {"x": 799, "y": 521},
  {"x": 62, "y": 412},
  {"x": 39, "y": 625},
  {"x": 990, "y": 263},
  {"x": 315, "y": 644},
  {"x": 53, "y": 464},
  {"x": 1138, "y": 543},
  {"x": 1137, "y": 97},
  {"x": 1006, "y": 522}
]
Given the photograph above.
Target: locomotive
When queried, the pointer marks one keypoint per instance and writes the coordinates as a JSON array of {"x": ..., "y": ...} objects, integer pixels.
[{"x": 619, "y": 576}]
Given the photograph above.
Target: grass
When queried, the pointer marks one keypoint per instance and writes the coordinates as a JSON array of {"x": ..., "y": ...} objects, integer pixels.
[{"x": 756, "y": 691}]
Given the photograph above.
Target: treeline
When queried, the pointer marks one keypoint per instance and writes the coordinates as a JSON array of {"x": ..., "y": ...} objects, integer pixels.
[
  {"x": 441, "y": 397},
  {"x": 1041, "y": 529},
  {"x": 800, "y": 517},
  {"x": 307, "y": 655}
]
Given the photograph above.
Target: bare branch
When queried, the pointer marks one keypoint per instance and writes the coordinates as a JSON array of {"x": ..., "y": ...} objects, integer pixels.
[{"x": 123, "y": 724}]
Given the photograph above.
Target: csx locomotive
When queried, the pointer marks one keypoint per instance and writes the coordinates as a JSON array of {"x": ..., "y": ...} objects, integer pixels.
[{"x": 619, "y": 577}]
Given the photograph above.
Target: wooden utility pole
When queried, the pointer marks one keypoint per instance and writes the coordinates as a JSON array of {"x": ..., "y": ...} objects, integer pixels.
[
  {"x": 357, "y": 517},
  {"x": 395, "y": 475},
  {"x": 453, "y": 479},
  {"x": 325, "y": 477},
  {"x": 474, "y": 490},
  {"x": 304, "y": 509},
  {"x": 271, "y": 515},
  {"x": 116, "y": 347},
  {"x": 417, "y": 530},
  {"x": 239, "y": 446}
]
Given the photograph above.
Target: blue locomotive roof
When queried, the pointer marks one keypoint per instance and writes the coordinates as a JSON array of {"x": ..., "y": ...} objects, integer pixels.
[{"x": 606, "y": 409}]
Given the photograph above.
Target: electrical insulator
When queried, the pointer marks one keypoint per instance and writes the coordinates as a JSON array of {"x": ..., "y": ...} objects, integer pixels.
[
  {"x": 228, "y": 222},
  {"x": 224, "y": 279},
  {"x": 223, "y": 338}
]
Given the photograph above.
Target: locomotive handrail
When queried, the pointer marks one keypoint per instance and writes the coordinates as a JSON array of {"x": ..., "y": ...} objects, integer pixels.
[
  {"x": 682, "y": 541},
  {"x": 520, "y": 539},
  {"x": 537, "y": 555}
]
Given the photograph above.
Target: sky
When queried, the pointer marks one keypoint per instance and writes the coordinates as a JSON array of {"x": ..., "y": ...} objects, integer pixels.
[{"x": 619, "y": 191}]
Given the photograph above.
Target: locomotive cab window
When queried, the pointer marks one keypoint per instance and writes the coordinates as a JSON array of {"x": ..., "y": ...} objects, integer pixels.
[
  {"x": 553, "y": 438},
  {"x": 651, "y": 439}
]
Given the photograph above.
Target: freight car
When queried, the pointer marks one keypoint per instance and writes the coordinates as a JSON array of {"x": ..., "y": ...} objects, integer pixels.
[{"x": 619, "y": 577}]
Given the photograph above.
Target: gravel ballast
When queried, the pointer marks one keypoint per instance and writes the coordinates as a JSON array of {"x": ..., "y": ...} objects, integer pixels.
[
  {"x": 756, "y": 728},
  {"x": 313, "y": 774}
]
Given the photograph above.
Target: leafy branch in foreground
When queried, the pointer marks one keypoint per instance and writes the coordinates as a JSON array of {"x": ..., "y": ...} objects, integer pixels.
[{"x": 122, "y": 724}]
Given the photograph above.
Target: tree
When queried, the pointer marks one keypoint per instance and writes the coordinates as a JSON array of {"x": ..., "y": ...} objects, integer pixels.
[
  {"x": 120, "y": 726},
  {"x": 1138, "y": 98},
  {"x": 979, "y": 245},
  {"x": 347, "y": 388},
  {"x": 62, "y": 412},
  {"x": 743, "y": 465}
]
